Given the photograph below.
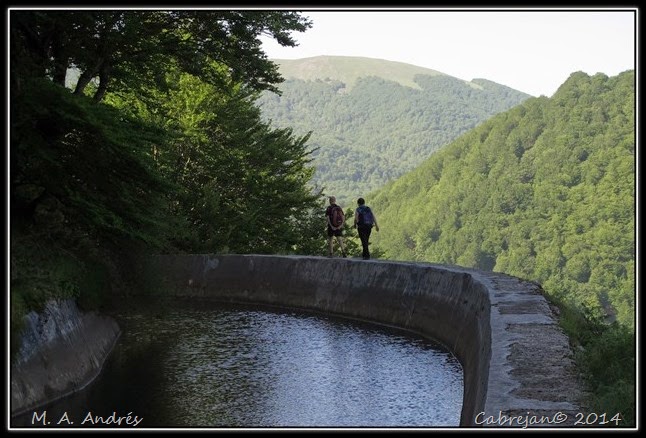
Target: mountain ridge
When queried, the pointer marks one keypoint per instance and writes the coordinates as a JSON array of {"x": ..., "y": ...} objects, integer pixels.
[
  {"x": 348, "y": 69},
  {"x": 370, "y": 132}
]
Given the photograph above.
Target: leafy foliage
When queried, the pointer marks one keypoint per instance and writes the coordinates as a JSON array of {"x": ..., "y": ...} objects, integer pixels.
[
  {"x": 131, "y": 49},
  {"x": 86, "y": 165},
  {"x": 243, "y": 186},
  {"x": 605, "y": 354}
]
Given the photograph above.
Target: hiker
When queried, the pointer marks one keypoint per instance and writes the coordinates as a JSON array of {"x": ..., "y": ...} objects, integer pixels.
[
  {"x": 364, "y": 219},
  {"x": 335, "y": 219}
]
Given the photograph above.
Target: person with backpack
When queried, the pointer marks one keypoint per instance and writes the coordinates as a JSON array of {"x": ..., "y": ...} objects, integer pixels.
[
  {"x": 335, "y": 220},
  {"x": 364, "y": 220}
]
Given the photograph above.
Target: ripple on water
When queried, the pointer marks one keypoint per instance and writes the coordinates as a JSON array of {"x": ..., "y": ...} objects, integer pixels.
[{"x": 224, "y": 366}]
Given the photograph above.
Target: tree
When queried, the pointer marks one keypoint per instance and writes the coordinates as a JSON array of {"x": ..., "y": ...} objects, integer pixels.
[
  {"x": 131, "y": 49},
  {"x": 242, "y": 185}
]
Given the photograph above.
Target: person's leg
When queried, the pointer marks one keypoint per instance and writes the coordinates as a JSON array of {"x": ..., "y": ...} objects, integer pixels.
[
  {"x": 368, "y": 231},
  {"x": 330, "y": 244},
  {"x": 364, "y": 242},
  {"x": 341, "y": 245}
]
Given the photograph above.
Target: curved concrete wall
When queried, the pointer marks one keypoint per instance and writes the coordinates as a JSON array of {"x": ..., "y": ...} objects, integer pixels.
[
  {"x": 516, "y": 361},
  {"x": 63, "y": 350}
]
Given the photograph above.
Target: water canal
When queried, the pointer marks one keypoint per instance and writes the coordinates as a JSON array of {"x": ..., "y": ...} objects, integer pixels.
[{"x": 201, "y": 364}]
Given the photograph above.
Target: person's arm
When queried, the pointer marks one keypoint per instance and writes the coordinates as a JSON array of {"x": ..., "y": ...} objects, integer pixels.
[
  {"x": 356, "y": 217},
  {"x": 374, "y": 218}
]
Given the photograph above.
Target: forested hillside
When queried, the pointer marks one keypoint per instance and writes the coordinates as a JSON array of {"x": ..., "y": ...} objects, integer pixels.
[
  {"x": 545, "y": 191},
  {"x": 370, "y": 130}
]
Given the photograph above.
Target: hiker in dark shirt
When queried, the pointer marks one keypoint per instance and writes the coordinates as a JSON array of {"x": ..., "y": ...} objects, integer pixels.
[
  {"x": 333, "y": 214},
  {"x": 364, "y": 219}
]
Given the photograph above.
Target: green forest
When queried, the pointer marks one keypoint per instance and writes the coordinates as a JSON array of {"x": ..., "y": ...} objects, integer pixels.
[
  {"x": 373, "y": 130},
  {"x": 545, "y": 191}
]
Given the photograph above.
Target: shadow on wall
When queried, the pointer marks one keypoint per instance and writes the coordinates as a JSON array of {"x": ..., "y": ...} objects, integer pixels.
[{"x": 518, "y": 367}]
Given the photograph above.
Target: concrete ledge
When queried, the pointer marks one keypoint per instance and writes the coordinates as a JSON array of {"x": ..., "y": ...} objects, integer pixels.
[
  {"x": 63, "y": 351},
  {"x": 517, "y": 363}
]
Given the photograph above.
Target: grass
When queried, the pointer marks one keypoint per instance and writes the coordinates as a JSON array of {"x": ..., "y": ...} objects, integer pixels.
[
  {"x": 605, "y": 354},
  {"x": 348, "y": 69}
]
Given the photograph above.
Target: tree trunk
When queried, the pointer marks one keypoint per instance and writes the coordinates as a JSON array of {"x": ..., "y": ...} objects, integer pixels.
[
  {"x": 84, "y": 79},
  {"x": 59, "y": 60},
  {"x": 59, "y": 72},
  {"x": 104, "y": 77}
]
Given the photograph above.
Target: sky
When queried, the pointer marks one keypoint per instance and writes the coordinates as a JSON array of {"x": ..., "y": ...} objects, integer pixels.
[{"x": 533, "y": 51}]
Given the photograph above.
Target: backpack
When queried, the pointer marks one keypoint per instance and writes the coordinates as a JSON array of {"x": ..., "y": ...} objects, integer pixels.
[
  {"x": 365, "y": 216},
  {"x": 336, "y": 216}
]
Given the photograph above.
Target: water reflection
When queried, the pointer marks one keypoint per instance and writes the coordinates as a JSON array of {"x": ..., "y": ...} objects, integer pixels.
[{"x": 223, "y": 366}]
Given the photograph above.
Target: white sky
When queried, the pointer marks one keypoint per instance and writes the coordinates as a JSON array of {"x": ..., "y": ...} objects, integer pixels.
[{"x": 533, "y": 51}]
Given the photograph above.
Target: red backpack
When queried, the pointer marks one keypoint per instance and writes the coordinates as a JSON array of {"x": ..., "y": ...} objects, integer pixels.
[{"x": 336, "y": 216}]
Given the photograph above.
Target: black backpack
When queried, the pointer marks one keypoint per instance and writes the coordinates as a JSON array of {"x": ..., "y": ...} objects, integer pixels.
[{"x": 365, "y": 216}]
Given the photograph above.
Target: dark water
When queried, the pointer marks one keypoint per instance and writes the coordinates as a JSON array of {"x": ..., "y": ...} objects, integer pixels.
[{"x": 215, "y": 366}]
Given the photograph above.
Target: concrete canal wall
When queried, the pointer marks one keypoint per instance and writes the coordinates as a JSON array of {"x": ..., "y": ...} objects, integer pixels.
[{"x": 517, "y": 362}]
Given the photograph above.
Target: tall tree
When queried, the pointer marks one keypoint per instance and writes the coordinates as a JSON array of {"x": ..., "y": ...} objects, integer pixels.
[{"x": 242, "y": 186}]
